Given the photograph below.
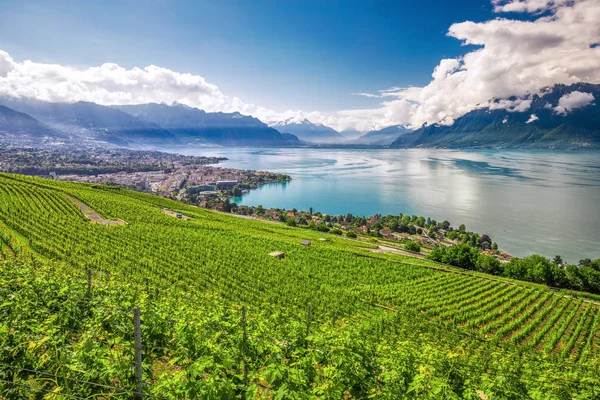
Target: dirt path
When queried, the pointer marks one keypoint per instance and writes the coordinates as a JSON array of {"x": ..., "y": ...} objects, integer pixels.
[
  {"x": 386, "y": 249},
  {"x": 93, "y": 216},
  {"x": 174, "y": 214}
]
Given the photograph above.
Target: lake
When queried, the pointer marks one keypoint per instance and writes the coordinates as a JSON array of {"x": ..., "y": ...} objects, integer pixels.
[{"x": 528, "y": 201}]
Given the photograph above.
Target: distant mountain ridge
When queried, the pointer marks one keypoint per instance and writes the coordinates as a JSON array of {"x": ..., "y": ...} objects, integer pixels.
[
  {"x": 382, "y": 137},
  {"x": 195, "y": 126},
  {"x": 94, "y": 122},
  {"x": 310, "y": 132},
  {"x": 560, "y": 117},
  {"x": 544, "y": 124},
  {"x": 145, "y": 124},
  {"x": 17, "y": 126}
]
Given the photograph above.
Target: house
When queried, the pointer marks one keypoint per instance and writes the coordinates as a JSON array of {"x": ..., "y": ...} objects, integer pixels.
[
  {"x": 306, "y": 242},
  {"x": 385, "y": 232}
]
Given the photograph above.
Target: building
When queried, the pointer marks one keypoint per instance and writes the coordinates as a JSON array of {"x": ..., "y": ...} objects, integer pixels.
[{"x": 226, "y": 185}]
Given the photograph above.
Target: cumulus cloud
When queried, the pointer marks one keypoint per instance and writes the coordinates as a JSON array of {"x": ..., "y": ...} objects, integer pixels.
[
  {"x": 107, "y": 84},
  {"x": 513, "y": 58},
  {"x": 572, "y": 101}
]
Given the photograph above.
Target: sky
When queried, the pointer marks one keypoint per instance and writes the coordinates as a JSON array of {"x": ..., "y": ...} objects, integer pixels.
[{"x": 348, "y": 64}]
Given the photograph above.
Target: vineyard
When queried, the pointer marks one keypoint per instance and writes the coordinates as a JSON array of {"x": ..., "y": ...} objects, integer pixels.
[{"x": 220, "y": 318}]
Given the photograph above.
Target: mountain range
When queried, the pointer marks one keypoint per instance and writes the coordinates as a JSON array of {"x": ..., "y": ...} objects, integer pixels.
[
  {"x": 382, "y": 137},
  {"x": 194, "y": 126},
  {"x": 544, "y": 121},
  {"x": 310, "y": 132},
  {"x": 561, "y": 117}
]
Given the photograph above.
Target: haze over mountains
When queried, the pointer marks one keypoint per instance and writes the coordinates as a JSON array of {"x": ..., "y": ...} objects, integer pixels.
[{"x": 564, "y": 117}]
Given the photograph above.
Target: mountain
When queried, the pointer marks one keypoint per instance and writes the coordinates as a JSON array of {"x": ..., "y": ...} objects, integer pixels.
[
  {"x": 351, "y": 134},
  {"x": 18, "y": 127},
  {"x": 382, "y": 137},
  {"x": 561, "y": 117},
  {"x": 192, "y": 125},
  {"x": 91, "y": 121},
  {"x": 309, "y": 132}
]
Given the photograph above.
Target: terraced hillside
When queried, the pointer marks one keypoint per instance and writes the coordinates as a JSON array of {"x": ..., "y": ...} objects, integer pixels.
[{"x": 332, "y": 319}]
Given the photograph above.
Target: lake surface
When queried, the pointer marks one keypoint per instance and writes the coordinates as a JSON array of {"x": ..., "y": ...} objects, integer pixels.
[{"x": 528, "y": 201}]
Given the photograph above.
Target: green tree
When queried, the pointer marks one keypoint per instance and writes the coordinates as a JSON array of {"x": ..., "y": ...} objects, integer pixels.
[
  {"x": 290, "y": 222},
  {"x": 351, "y": 234}
]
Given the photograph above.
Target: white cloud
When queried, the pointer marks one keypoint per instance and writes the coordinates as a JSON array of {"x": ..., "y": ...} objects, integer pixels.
[
  {"x": 107, "y": 84},
  {"x": 527, "y": 5},
  {"x": 518, "y": 105},
  {"x": 532, "y": 118},
  {"x": 513, "y": 58},
  {"x": 365, "y": 94},
  {"x": 572, "y": 101}
]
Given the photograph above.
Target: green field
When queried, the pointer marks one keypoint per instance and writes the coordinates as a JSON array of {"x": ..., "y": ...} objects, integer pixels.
[{"x": 381, "y": 325}]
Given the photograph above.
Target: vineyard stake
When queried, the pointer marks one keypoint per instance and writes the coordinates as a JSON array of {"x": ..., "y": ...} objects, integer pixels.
[
  {"x": 138, "y": 353},
  {"x": 89, "y": 280},
  {"x": 244, "y": 344},
  {"x": 308, "y": 320}
]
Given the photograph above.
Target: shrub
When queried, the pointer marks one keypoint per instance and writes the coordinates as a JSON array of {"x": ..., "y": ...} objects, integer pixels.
[
  {"x": 413, "y": 246},
  {"x": 351, "y": 234},
  {"x": 290, "y": 222}
]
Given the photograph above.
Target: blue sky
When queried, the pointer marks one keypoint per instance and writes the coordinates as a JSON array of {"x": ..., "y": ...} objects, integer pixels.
[
  {"x": 291, "y": 54},
  {"x": 281, "y": 60}
]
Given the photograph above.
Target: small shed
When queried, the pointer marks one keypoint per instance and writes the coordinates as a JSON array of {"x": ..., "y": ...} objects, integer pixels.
[
  {"x": 324, "y": 240},
  {"x": 277, "y": 254},
  {"x": 306, "y": 242}
]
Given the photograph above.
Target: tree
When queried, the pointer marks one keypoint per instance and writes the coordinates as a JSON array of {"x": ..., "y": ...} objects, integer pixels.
[
  {"x": 290, "y": 222},
  {"x": 322, "y": 228},
  {"x": 489, "y": 264},
  {"x": 462, "y": 228},
  {"x": 557, "y": 260},
  {"x": 495, "y": 246},
  {"x": 351, "y": 234}
]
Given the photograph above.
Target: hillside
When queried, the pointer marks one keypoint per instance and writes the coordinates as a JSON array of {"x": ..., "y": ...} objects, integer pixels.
[
  {"x": 19, "y": 127},
  {"x": 512, "y": 123},
  {"x": 382, "y": 137},
  {"x": 310, "y": 132},
  {"x": 332, "y": 319},
  {"x": 92, "y": 121},
  {"x": 194, "y": 126}
]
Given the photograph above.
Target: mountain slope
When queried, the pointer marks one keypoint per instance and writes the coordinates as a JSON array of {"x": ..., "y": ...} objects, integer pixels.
[
  {"x": 546, "y": 123},
  {"x": 18, "y": 127},
  {"x": 192, "y": 125},
  {"x": 382, "y": 137},
  {"x": 94, "y": 122},
  {"x": 309, "y": 132}
]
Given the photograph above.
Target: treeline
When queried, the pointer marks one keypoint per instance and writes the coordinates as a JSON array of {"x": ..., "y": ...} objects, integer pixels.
[{"x": 535, "y": 268}]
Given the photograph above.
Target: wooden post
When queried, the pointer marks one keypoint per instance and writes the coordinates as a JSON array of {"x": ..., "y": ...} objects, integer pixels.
[
  {"x": 138, "y": 353},
  {"x": 244, "y": 345},
  {"x": 89, "y": 279},
  {"x": 308, "y": 320}
]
